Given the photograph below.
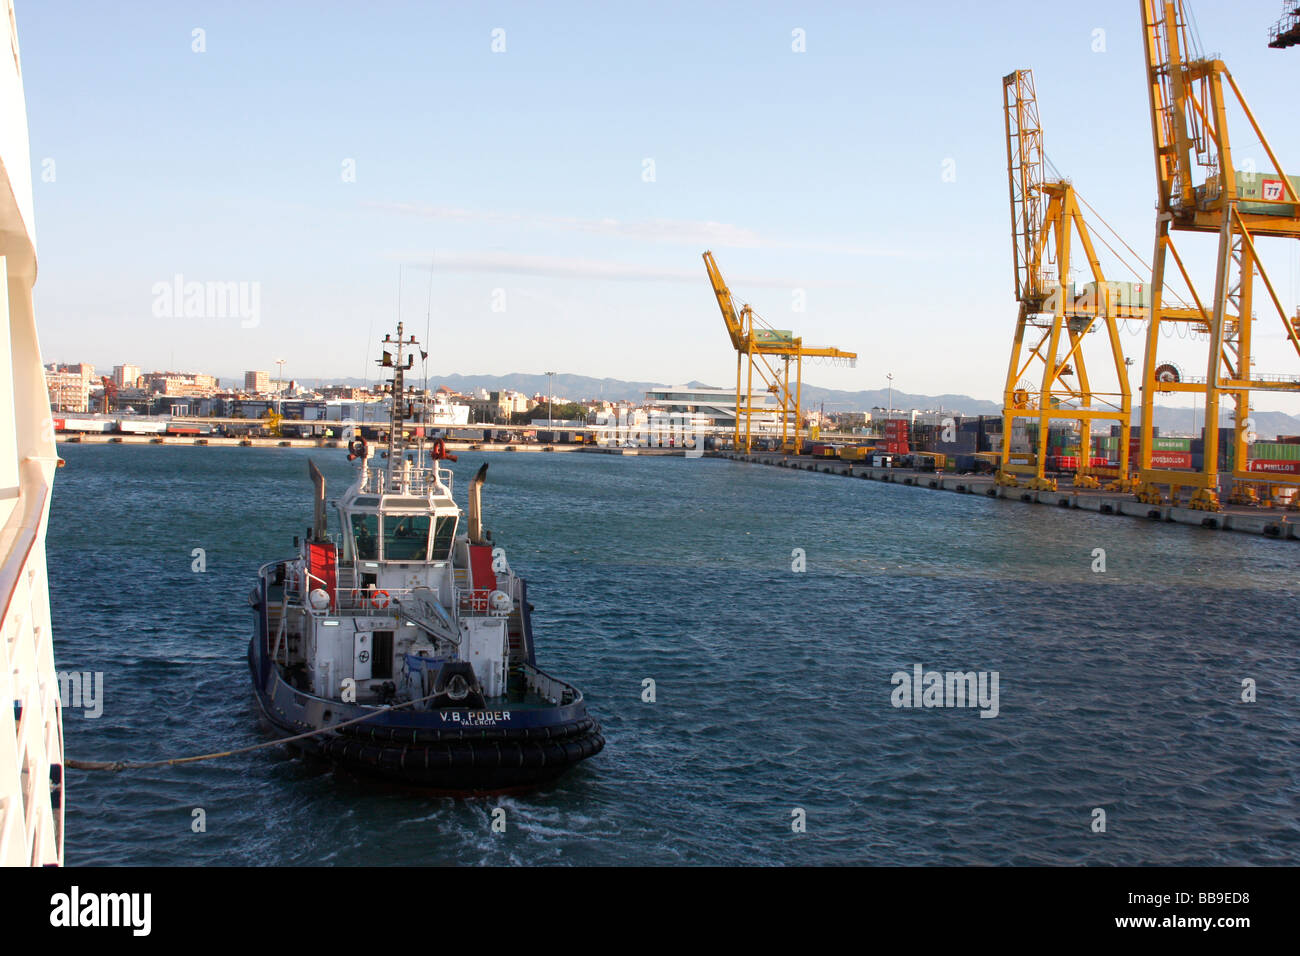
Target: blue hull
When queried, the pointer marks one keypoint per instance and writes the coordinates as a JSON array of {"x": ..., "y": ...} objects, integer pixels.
[{"x": 459, "y": 750}]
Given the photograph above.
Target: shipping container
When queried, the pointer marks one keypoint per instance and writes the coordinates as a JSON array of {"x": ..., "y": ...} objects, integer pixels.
[
  {"x": 96, "y": 425},
  {"x": 1171, "y": 459},
  {"x": 1062, "y": 462},
  {"x": 132, "y": 427},
  {"x": 1275, "y": 451},
  {"x": 1262, "y": 186},
  {"x": 188, "y": 428},
  {"x": 1163, "y": 444},
  {"x": 1289, "y": 467}
]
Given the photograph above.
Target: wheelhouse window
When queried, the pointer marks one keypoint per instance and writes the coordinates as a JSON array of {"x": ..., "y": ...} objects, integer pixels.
[
  {"x": 365, "y": 536},
  {"x": 443, "y": 533},
  {"x": 406, "y": 537}
]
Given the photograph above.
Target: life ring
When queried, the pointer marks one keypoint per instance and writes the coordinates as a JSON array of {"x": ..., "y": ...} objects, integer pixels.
[
  {"x": 440, "y": 451},
  {"x": 374, "y": 599},
  {"x": 357, "y": 449}
]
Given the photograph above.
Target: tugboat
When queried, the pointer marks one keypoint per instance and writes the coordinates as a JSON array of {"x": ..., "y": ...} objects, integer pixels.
[{"x": 400, "y": 645}]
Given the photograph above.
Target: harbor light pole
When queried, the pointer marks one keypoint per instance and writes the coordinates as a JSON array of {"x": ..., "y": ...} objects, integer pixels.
[
  {"x": 889, "y": 412},
  {"x": 550, "y": 402},
  {"x": 279, "y": 377}
]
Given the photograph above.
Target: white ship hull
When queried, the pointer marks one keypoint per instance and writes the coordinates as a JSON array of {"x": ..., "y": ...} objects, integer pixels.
[{"x": 31, "y": 730}]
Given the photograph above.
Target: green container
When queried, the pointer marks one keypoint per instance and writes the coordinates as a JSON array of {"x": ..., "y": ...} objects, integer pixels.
[
  {"x": 1253, "y": 186},
  {"x": 1274, "y": 451}
]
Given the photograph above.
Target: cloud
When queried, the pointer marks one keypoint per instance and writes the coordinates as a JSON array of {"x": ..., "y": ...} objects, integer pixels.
[
  {"x": 697, "y": 233},
  {"x": 579, "y": 267}
]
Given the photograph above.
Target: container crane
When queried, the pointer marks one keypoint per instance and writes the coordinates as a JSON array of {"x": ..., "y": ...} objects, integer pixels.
[
  {"x": 770, "y": 352},
  {"x": 1045, "y": 218},
  {"x": 1201, "y": 191}
]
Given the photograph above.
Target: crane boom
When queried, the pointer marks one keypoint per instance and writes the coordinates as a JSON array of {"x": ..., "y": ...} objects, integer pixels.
[
  {"x": 735, "y": 328},
  {"x": 1025, "y": 167},
  {"x": 763, "y": 347}
]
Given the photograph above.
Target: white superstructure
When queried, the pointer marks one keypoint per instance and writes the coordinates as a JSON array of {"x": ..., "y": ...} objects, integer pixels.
[{"x": 31, "y": 730}]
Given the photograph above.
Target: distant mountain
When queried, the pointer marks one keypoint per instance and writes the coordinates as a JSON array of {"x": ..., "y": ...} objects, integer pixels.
[
  {"x": 566, "y": 385},
  {"x": 837, "y": 400},
  {"x": 1168, "y": 420},
  {"x": 613, "y": 389},
  {"x": 1182, "y": 421}
]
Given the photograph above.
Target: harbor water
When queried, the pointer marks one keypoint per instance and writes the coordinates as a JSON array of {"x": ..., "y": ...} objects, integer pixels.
[{"x": 770, "y": 609}]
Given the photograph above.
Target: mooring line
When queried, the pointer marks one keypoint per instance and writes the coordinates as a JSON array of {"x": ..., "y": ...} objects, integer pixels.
[{"x": 115, "y": 766}]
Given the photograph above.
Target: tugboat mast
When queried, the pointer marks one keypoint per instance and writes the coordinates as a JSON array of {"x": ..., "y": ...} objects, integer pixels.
[{"x": 397, "y": 465}]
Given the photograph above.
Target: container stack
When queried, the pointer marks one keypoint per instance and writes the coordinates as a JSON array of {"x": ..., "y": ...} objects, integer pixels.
[
  {"x": 1165, "y": 452},
  {"x": 896, "y": 437}
]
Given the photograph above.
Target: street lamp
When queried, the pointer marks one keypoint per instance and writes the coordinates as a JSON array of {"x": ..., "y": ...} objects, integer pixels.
[
  {"x": 279, "y": 377},
  {"x": 889, "y": 412},
  {"x": 550, "y": 402}
]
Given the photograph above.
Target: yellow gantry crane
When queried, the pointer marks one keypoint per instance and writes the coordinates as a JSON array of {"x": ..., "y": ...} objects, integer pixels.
[
  {"x": 1054, "y": 324},
  {"x": 770, "y": 352},
  {"x": 1201, "y": 191}
]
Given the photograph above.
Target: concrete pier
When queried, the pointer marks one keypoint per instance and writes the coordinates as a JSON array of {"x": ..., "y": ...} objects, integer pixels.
[
  {"x": 1269, "y": 522},
  {"x": 94, "y": 438}
]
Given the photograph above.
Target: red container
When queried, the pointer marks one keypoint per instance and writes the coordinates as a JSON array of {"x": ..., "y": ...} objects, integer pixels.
[
  {"x": 1171, "y": 459},
  {"x": 1274, "y": 466}
]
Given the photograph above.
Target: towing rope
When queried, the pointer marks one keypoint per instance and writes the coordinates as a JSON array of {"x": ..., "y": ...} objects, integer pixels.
[{"x": 115, "y": 766}]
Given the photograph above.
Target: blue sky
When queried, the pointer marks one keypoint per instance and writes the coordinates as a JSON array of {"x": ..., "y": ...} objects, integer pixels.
[{"x": 520, "y": 175}]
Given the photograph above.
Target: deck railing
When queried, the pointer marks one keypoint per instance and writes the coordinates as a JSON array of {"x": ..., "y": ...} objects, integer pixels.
[{"x": 31, "y": 730}]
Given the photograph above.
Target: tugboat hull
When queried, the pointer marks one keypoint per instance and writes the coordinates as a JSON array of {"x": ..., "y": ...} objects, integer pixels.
[{"x": 463, "y": 751}]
